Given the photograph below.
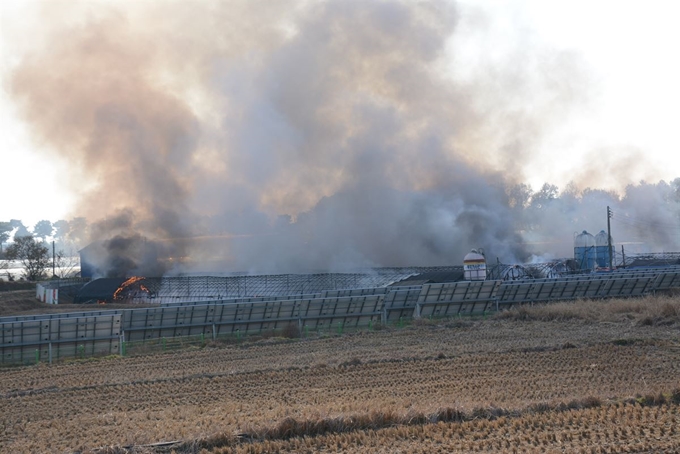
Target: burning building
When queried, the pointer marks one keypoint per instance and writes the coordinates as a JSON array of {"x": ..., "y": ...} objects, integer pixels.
[{"x": 123, "y": 257}]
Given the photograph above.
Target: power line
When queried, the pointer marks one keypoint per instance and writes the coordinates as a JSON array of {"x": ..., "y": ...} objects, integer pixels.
[
  {"x": 635, "y": 222},
  {"x": 650, "y": 226}
]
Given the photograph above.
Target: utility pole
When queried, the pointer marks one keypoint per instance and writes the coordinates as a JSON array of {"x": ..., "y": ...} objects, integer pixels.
[
  {"x": 623, "y": 253},
  {"x": 53, "y": 261},
  {"x": 609, "y": 236}
]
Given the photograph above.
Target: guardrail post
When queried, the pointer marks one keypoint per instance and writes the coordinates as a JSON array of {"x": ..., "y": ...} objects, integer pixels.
[
  {"x": 49, "y": 352},
  {"x": 37, "y": 356},
  {"x": 121, "y": 345},
  {"x": 214, "y": 332}
]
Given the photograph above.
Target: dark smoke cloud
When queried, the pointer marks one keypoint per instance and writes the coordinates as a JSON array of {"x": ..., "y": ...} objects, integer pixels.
[
  {"x": 288, "y": 136},
  {"x": 119, "y": 250}
]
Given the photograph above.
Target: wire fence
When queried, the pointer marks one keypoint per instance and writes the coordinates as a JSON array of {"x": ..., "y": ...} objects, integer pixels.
[{"x": 33, "y": 339}]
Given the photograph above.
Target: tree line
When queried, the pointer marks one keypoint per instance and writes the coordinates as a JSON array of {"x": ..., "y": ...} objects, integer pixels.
[{"x": 31, "y": 249}]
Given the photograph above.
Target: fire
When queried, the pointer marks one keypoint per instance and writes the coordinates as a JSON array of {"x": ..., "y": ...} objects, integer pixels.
[{"x": 126, "y": 284}]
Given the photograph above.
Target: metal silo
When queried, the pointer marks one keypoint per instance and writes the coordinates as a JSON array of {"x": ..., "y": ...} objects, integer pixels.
[
  {"x": 602, "y": 249},
  {"x": 474, "y": 266},
  {"x": 584, "y": 251}
]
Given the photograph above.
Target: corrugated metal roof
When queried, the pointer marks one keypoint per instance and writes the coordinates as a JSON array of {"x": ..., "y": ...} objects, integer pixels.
[
  {"x": 99, "y": 289},
  {"x": 432, "y": 277}
]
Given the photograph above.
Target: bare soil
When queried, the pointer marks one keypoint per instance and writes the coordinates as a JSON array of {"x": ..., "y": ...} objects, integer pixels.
[{"x": 524, "y": 382}]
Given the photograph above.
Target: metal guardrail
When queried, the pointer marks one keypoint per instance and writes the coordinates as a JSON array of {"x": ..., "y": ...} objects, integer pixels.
[
  {"x": 21, "y": 318},
  {"x": 85, "y": 336},
  {"x": 87, "y": 333},
  {"x": 544, "y": 291},
  {"x": 248, "y": 317},
  {"x": 440, "y": 300},
  {"x": 353, "y": 311},
  {"x": 324, "y": 294},
  {"x": 667, "y": 281},
  {"x": 400, "y": 304}
]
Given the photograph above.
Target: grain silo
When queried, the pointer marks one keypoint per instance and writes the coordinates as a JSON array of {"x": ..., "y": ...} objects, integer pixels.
[
  {"x": 602, "y": 249},
  {"x": 584, "y": 251}
]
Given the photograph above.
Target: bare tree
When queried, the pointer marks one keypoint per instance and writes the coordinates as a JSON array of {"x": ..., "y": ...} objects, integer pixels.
[
  {"x": 33, "y": 256},
  {"x": 66, "y": 263},
  {"x": 4, "y": 267}
]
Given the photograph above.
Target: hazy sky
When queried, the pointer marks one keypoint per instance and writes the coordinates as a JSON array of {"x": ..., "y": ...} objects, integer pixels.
[{"x": 625, "y": 123}]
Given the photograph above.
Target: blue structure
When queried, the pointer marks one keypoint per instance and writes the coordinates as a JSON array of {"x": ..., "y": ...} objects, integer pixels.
[
  {"x": 602, "y": 249},
  {"x": 585, "y": 251}
]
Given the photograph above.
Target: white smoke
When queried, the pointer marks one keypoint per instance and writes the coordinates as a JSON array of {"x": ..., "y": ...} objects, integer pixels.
[{"x": 284, "y": 136}]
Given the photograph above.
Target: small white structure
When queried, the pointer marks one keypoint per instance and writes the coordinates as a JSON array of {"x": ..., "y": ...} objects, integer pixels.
[
  {"x": 47, "y": 292},
  {"x": 474, "y": 265}
]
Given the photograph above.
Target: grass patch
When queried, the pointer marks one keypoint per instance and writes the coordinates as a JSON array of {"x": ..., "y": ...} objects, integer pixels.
[{"x": 647, "y": 311}]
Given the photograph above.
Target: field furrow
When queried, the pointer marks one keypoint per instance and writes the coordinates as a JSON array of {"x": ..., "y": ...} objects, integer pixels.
[{"x": 245, "y": 388}]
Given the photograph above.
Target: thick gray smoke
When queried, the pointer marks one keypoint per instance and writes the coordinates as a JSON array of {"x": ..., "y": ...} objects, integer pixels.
[
  {"x": 119, "y": 250},
  {"x": 288, "y": 136}
]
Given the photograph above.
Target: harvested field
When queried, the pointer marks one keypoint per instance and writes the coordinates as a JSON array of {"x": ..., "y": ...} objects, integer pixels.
[{"x": 522, "y": 383}]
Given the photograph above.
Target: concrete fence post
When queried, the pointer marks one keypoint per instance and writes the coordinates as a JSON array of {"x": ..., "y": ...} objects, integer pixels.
[
  {"x": 416, "y": 313},
  {"x": 49, "y": 352},
  {"x": 214, "y": 332}
]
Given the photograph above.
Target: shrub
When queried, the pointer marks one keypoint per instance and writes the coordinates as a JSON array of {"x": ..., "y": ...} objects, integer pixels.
[
  {"x": 675, "y": 396},
  {"x": 291, "y": 331}
]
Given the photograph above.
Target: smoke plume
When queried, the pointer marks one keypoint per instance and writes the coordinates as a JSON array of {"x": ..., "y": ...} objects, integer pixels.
[{"x": 289, "y": 136}]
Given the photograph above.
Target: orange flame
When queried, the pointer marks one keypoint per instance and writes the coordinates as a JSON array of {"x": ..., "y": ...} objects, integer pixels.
[{"x": 124, "y": 285}]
